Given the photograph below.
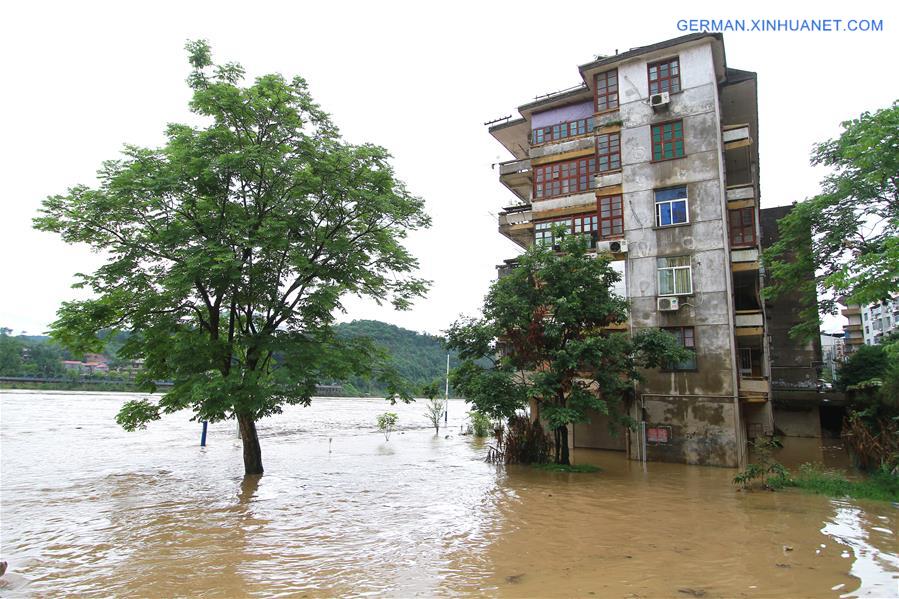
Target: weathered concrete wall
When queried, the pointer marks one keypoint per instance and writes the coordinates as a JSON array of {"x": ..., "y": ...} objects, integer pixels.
[
  {"x": 702, "y": 430},
  {"x": 798, "y": 421},
  {"x": 597, "y": 435},
  {"x": 698, "y": 405}
]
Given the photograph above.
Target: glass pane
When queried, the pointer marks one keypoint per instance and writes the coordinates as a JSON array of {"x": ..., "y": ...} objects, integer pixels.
[
  {"x": 664, "y": 214},
  {"x": 666, "y": 281},
  {"x": 679, "y": 212},
  {"x": 682, "y": 281}
]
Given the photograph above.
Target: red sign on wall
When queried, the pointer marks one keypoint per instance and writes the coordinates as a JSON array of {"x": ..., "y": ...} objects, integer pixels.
[{"x": 658, "y": 434}]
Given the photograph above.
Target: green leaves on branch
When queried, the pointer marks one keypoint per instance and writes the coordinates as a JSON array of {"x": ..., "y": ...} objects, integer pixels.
[{"x": 848, "y": 235}]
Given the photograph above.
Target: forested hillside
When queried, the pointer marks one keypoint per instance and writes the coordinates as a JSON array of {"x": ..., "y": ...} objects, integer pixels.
[{"x": 419, "y": 357}]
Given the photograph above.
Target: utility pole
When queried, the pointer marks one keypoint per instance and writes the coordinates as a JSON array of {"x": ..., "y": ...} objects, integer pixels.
[{"x": 446, "y": 393}]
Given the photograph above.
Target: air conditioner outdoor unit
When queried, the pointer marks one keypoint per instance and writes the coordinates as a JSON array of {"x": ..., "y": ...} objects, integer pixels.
[
  {"x": 619, "y": 246},
  {"x": 667, "y": 304},
  {"x": 659, "y": 100}
]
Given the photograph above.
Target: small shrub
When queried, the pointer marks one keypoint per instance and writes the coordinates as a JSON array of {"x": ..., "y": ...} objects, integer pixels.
[
  {"x": 386, "y": 423},
  {"x": 481, "y": 425},
  {"x": 766, "y": 469}
]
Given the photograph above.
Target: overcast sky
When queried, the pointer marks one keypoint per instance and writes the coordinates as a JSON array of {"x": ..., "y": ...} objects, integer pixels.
[{"x": 420, "y": 78}]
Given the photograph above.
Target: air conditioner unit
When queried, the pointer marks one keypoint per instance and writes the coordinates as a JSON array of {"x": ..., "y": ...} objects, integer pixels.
[
  {"x": 619, "y": 246},
  {"x": 660, "y": 100},
  {"x": 667, "y": 304}
]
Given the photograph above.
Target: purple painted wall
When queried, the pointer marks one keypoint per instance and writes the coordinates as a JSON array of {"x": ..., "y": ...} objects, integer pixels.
[{"x": 572, "y": 112}]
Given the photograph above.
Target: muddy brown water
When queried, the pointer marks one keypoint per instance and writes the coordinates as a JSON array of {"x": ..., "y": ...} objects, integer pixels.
[{"x": 90, "y": 510}]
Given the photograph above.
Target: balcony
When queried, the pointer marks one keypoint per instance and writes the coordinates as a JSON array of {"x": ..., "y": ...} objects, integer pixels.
[
  {"x": 735, "y": 136},
  {"x": 516, "y": 176},
  {"x": 754, "y": 388},
  {"x": 851, "y": 311},
  {"x": 516, "y": 223},
  {"x": 744, "y": 259}
]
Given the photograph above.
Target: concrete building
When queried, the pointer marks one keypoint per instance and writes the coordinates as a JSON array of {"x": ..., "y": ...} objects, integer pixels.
[
  {"x": 869, "y": 324},
  {"x": 654, "y": 157}
]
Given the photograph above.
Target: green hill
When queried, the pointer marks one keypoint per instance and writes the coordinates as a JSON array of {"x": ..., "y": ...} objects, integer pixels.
[{"x": 419, "y": 357}]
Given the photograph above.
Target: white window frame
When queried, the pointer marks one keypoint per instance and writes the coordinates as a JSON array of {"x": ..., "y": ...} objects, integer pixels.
[
  {"x": 685, "y": 200},
  {"x": 660, "y": 269}
]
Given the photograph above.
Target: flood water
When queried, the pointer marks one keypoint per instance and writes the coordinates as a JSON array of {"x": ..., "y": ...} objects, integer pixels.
[{"x": 90, "y": 510}]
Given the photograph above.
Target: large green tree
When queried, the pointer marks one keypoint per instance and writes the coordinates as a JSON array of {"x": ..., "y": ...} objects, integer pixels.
[
  {"x": 545, "y": 331},
  {"x": 854, "y": 223},
  {"x": 229, "y": 249}
]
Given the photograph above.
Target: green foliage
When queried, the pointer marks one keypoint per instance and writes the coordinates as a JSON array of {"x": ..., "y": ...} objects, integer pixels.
[
  {"x": 386, "y": 423},
  {"x": 229, "y": 248},
  {"x": 30, "y": 356},
  {"x": 544, "y": 337},
  {"x": 865, "y": 363},
  {"x": 135, "y": 414},
  {"x": 849, "y": 233},
  {"x": 765, "y": 469},
  {"x": 481, "y": 425},
  {"x": 881, "y": 485},
  {"x": 418, "y": 357}
]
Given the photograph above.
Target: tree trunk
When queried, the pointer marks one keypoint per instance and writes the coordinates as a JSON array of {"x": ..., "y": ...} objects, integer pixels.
[
  {"x": 562, "y": 450},
  {"x": 252, "y": 453}
]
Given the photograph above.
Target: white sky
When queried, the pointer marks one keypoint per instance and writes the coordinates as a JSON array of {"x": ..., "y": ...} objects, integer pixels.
[{"x": 420, "y": 78}]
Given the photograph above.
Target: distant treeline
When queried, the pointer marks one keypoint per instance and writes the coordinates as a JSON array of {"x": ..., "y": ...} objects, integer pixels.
[{"x": 419, "y": 357}]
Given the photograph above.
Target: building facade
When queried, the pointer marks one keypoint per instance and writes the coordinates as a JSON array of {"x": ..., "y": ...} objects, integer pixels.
[{"x": 654, "y": 159}]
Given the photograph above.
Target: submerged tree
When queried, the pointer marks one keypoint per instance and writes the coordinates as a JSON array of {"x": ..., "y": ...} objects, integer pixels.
[
  {"x": 435, "y": 409},
  {"x": 545, "y": 331},
  {"x": 854, "y": 223},
  {"x": 229, "y": 249}
]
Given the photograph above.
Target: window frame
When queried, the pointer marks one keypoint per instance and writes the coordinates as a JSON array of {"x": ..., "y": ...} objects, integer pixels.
[
  {"x": 674, "y": 268},
  {"x": 673, "y": 79},
  {"x": 608, "y": 91},
  {"x": 670, "y": 203},
  {"x": 572, "y": 227},
  {"x": 611, "y": 152},
  {"x": 554, "y": 132},
  {"x": 674, "y": 139},
  {"x": 582, "y": 176},
  {"x": 611, "y": 218},
  {"x": 741, "y": 227},
  {"x": 690, "y": 364}
]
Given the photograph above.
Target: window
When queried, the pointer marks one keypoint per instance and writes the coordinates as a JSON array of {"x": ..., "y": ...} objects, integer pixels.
[
  {"x": 562, "y": 178},
  {"x": 686, "y": 339},
  {"x": 668, "y": 140},
  {"x": 608, "y": 152},
  {"x": 550, "y": 232},
  {"x": 606, "y": 90},
  {"x": 562, "y": 130},
  {"x": 664, "y": 76},
  {"x": 671, "y": 206},
  {"x": 611, "y": 217},
  {"x": 742, "y": 226},
  {"x": 675, "y": 275}
]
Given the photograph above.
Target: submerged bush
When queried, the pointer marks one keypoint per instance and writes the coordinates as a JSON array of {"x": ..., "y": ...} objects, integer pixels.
[
  {"x": 815, "y": 478},
  {"x": 522, "y": 442},
  {"x": 481, "y": 425},
  {"x": 386, "y": 423},
  {"x": 766, "y": 469}
]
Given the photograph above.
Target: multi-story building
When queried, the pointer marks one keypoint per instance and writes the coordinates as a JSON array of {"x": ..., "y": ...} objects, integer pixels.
[
  {"x": 654, "y": 157},
  {"x": 869, "y": 324}
]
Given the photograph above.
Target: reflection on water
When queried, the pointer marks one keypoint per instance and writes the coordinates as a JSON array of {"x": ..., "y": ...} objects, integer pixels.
[{"x": 88, "y": 509}]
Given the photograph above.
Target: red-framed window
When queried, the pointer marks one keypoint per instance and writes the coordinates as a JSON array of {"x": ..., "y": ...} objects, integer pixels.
[
  {"x": 742, "y": 226},
  {"x": 611, "y": 217},
  {"x": 550, "y": 232},
  {"x": 608, "y": 152},
  {"x": 606, "y": 90},
  {"x": 686, "y": 338},
  {"x": 563, "y": 178},
  {"x": 664, "y": 76},
  {"x": 562, "y": 130},
  {"x": 667, "y": 140}
]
